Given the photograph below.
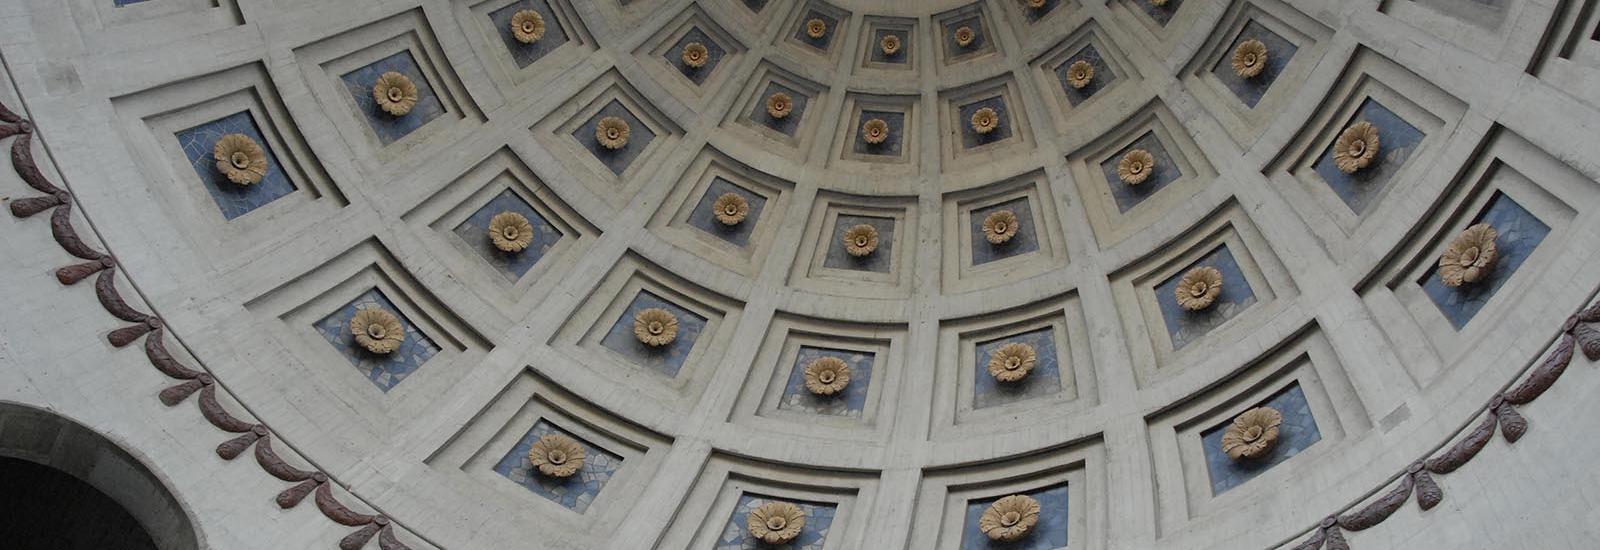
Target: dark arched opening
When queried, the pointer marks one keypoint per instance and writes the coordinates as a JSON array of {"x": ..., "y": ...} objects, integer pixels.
[{"x": 65, "y": 487}]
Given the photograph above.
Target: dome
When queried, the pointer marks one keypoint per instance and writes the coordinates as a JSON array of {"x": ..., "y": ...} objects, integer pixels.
[{"x": 812, "y": 274}]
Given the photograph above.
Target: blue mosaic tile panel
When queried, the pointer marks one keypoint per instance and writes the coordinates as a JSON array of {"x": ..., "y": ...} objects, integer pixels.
[
  {"x": 121, "y": 3},
  {"x": 891, "y": 146},
  {"x": 555, "y": 35},
  {"x": 666, "y": 359},
  {"x": 1279, "y": 52},
  {"x": 639, "y": 137},
  {"x": 1298, "y": 432},
  {"x": 1035, "y": 14},
  {"x": 704, "y": 217},
  {"x": 714, "y": 55},
  {"x": 1161, "y": 14},
  {"x": 390, "y": 128},
  {"x": 1103, "y": 75},
  {"x": 971, "y": 138},
  {"x": 787, "y": 125},
  {"x": 1025, "y": 241},
  {"x": 849, "y": 402},
  {"x": 980, "y": 41},
  {"x": 233, "y": 199},
  {"x": 821, "y": 44},
  {"x": 386, "y": 370},
  {"x": 575, "y": 492},
  {"x": 735, "y": 536},
  {"x": 878, "y": 261},
  {"x": 1397, "y": 140},
  {"x": 475, "y": 232},
  {"x": 1049, "y": 534},
  {"x": 1045, "y": 379},
  {"x": 1184, "y": 326},
  {"x": 1166, "y": 172},
  {"x": 875, "y": 49},
  {"x": 1520, "y": 232}
]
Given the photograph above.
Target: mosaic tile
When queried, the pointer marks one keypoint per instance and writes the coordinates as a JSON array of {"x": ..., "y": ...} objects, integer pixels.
[
  {"x": 576, "y": 492},
  {"x": 121, "y": 3},
  {"x": 849, "y": 402},
  {"x": 1034, "y": 14},
  {"x": 735, "y": 536},
  {"x": 820, "y": 44},
  {"x": 704, "y": 217},
  {"x": 1520, "y": 232},
  {"x": 1161, "y": 14},
  {"x": 1025, "y": 241},
  {"x": 232, "y": 199},
  {"x": 387, "y": 370},
  {"x": 475, "y": 232},
  {"x": 1103, "y": 75},
  {"x": 1049, "y": 534},
  {"x": 900, "y": 57},
  {"x": 714, "y": 55},
  {"x": 787, "y": 125},
  {"x": 1280, "y": 52},
  {"x": 878, "y": 261},
  {"x": 971, "y": 138},
  {"x": 1397, "y": 140},
  {"x": 666, "y": 359},
  {"x": 891, "y": 146},
  {"x": 390, "y": 128},
  {"x": 1298, "y": 432},
  {"x": 1166, "y": 172},
  {"x": 1045, "y": 379},
  {"x": 555, "y": 34},
  {"x": 639, "y": 137},
  {"x": 1184, "y": 326}
]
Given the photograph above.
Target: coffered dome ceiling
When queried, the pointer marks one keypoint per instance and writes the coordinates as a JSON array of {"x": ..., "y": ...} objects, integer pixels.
[{"x": 812, "y": 274}]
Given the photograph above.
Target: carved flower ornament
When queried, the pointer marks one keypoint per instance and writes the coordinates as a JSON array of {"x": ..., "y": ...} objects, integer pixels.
[
  {"x": 1010, "y": 518},
  {"x": 776, "y": 522},
  {"x": 527, "y": 26},
  {"x": 985, "y": 120},
  {"x": 557, "y": 455},
  {"x": 1158, "y": 3},
  {"x": 377, "y": 330},
  {"x": 1356, "y": 147},
  {"x": 655, "y": 327},
  {"x": 1012, "y": 362},
  {"x": 1080, "y": 74},
  {"x": 965, "y": 36},
  {"x": 1136, "y": 167},
  {"x": 1252, "y": 433},
  {"x": 240, "y": 158},
  {"x": 816, "y": 28},
  {"x": 1470, "y": 258},
  {"x": 395, "y": 93},
  {"x": 779, "y": 105},
  {"x": 875, "y": 131},
  {"x": 1000, "y": 226},
  {"x": 510, "y": 232},
  {"x": 861, "y": 240},
  {"x": 612, "y": 133},
  {"x": 827, "y": 375},
  {"x": 890, "y": 44},
  {"x": 730, "y": 208},
  {"x": 1199, "y": 288},
  {"x": 1250, "y": 58},
  {"x": 695, "y": 55},
  {"x": 1035, "y": 4}
]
